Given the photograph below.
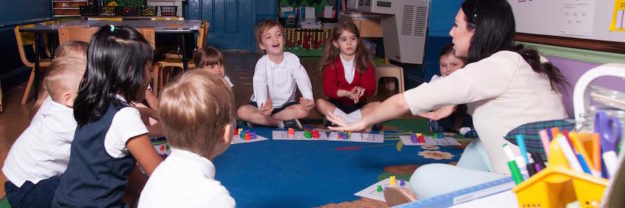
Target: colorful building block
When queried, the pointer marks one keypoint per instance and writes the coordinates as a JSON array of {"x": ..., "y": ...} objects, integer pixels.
[
  {"x": 413, "y": 138},
  {"x": 315, "y": 134}
]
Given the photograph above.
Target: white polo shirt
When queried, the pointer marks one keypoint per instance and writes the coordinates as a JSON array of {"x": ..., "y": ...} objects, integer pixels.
[
  {"x": 42, "y": 150},
  {"x": 278, "y": 81},
  {"x": 185, "y": 179}
]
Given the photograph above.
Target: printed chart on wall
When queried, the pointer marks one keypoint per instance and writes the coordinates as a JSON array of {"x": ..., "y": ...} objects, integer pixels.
[
  {"x": 578, "y": 17},
  {"x": 618, "y": 20}
]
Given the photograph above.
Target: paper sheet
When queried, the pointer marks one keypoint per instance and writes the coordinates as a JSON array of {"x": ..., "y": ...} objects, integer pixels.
[
  {"x": 371, "y": 192},
  {"x": 446, "y": 141}
]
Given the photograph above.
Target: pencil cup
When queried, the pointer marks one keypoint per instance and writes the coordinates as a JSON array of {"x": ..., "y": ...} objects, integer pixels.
[{"x": 558, "y": 185}]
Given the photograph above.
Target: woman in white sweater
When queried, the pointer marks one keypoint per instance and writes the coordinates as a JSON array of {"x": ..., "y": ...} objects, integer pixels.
[{"x": 503, "y": 84}]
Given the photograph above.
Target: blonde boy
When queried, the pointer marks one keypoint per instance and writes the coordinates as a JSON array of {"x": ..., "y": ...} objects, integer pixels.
[
  {"x": 197, "y": 133},
  {"x": 211, "y": 59},
  {"x": 276, "y": 75},
  {"x": 41, "y": 153}
]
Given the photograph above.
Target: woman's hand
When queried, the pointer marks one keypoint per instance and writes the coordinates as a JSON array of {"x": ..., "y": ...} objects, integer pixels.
[
  {"x": 439, "y": 113},
  {"x": 343, "y": 125}
]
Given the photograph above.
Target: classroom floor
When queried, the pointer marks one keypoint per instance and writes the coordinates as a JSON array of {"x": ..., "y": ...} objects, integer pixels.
[{"x": 239, "y": 67}]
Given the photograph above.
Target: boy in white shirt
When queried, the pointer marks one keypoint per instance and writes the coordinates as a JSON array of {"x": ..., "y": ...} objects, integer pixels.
[
  {"x": 275, "y": 77},
  {"x": 41, "y": 153},
  {"x": 197, "y": 133}
]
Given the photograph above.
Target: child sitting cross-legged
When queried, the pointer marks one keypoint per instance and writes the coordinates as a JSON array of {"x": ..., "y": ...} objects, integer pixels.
[
  {"x": 197, "y": 133},
  {"x": 276, "y": 75}
]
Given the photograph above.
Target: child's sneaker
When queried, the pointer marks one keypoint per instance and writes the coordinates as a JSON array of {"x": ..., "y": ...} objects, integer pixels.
[
  {"x": 294, "y": 124},
  {"x": 468, "y": 132}
]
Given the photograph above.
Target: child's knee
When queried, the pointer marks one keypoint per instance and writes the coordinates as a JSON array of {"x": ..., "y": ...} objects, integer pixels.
[
  {"x": 243, "y": 111},
  {"x": 301, "y": 113},
  {"x": 320, "y": 102}
]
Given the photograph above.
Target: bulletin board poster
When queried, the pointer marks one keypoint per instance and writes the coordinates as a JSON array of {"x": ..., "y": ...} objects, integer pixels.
[{"x": 618, "y": 19}]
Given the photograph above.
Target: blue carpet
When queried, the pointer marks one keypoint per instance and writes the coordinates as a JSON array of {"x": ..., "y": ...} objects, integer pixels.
[{"x": 308, "y": 173}]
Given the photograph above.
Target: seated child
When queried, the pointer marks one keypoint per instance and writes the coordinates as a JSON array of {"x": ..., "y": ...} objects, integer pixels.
[
  {"x": 187, "y": 177},
  {"x": 41, "y": 153},
  {"x": 110, "y": 138},
  {"x": 211, "y": 59},
  {"x": 459, "y": 121},
  {"x": 73, "y": 49},
  {"x": 276, "y": 75},
  {"x": 348, "y": 75}
]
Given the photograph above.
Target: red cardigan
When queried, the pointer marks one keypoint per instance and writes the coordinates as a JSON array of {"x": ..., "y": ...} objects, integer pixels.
[{"x": 334, "y": 79}]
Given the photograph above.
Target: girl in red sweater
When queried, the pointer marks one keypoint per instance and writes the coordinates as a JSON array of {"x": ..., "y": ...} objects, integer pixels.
[{"x": 348, "y": 76}]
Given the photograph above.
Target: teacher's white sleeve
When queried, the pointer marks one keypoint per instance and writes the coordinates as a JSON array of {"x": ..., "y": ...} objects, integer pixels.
[{"x": 481, "y": 80}]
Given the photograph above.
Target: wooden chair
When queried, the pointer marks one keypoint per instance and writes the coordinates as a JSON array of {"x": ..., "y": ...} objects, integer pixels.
[
  {"x": 160, "y": 76},
  {"x": 389, "y": 70},
  {"x": 43, "y": 63}
]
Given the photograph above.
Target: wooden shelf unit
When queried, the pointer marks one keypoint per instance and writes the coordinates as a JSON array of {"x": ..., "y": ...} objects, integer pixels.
[{"x": 67, "y": 8}]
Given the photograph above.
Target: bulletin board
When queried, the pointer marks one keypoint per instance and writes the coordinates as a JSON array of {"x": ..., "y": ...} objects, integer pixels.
[{"x": 572, "y": 23}]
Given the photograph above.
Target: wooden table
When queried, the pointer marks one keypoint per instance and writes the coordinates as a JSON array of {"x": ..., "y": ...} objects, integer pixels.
[{"x": 179, "y": 27}]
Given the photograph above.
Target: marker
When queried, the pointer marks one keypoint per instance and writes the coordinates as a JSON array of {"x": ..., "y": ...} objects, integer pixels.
[
  {"x": 596, "y": 152},
  {"x": 538, "y": 160},
  {"x": 554, "y": 132},
  {"x": 521, "y": 143},
  {"x": 582, "y": 155},
  {"x": 514, "y": 168},
  {"x": 544, "y": 138},
  {"x": 568, "y": 153}
]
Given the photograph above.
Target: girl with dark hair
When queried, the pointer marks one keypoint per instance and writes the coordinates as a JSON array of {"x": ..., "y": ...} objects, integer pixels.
[
  {"x": 503, "y": 85},
  {"x": 110, "y": 137},
  {"x": 348, "y": 76}
]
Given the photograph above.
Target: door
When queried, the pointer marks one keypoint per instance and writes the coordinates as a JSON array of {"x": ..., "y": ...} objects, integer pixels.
[{"x": 231, "y": 22}]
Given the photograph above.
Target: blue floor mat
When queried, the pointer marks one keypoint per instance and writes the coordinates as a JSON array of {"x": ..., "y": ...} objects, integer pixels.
[{"x": 308, "y": 173}]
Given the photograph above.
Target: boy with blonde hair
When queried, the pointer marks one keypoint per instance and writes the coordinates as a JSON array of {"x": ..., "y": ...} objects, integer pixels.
[
  {"x": 41, "y": 153},
  {"x": 276, "y": 75},
  {"x": 197, "y": 133}
]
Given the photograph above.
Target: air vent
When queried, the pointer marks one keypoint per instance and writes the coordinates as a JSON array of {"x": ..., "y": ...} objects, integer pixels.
[
  {"x": 421, "y": 21},
  {"x": 407, "y": 20}
]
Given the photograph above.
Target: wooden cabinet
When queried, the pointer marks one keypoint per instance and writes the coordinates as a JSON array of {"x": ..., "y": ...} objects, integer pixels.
[{"x": 67, "y": 8}]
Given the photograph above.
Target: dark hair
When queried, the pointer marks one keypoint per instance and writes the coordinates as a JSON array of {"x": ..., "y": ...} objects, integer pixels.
[
  {"x": 494, "y": 25},
  {"x": 449, "y": 50},
  {"x": 207, "y": 56},
  {"x": 116, "y": 60},
  {"x": 331, "y": 53}
]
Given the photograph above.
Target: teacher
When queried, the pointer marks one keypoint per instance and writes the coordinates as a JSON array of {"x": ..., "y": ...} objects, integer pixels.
[{"x": 504, "y": 86}]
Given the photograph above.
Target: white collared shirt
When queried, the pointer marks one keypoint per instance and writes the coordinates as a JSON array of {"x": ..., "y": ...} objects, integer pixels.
[
  {"x": 126, "y": 124},
  {"x": 42, "y": 150},
  {"x": 228, "y": 81},
  {"x": 185, "y": 179},
  {"x": 348, "y": 69},
  {"x": 278, "y": 81}
]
